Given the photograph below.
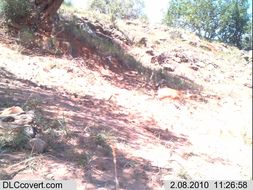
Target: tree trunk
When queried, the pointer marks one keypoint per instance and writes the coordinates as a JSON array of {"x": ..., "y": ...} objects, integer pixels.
[
  {"x": 45, "y": 10},
  {"x": 48, "y": 8}
]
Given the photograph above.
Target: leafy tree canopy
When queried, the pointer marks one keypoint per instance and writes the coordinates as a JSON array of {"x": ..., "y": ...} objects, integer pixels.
[
  {"x": 224, "y": 20},
  {"x": 125, "y": 9}
]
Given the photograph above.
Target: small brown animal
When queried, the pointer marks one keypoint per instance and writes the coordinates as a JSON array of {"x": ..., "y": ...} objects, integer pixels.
[
  {"x": 12, "y": 110},
  {"x": 168, "y": 93},
  {"x": 164, "y": 92}
]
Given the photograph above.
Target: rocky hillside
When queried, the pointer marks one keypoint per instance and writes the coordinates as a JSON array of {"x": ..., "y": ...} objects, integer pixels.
[{"x": 93, "y": 88}]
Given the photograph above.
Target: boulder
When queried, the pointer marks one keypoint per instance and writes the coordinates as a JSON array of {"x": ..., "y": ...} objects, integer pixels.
[
  {"x": 15, "y": 121},
  {"x": 169, "y": 67},
  {"x": 12, "y": 110}
]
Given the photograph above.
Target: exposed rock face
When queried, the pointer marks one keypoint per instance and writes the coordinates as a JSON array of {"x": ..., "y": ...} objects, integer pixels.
[
  {"x": 15, "y": 119},
  {"x": 177, "y": 55},
  {"x": 12, "y": 110}
]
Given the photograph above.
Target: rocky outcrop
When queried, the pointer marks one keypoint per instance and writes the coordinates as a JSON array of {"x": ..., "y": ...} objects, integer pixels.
[{"x": 15, "y": 119}]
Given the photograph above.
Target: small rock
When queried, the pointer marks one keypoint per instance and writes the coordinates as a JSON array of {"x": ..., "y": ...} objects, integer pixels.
[
  {"x": 50, "y": 177},
  {"x": 161, "y": 59},
  {"x": 200, "y": 64},
  {"x": 37, "y": 145},
  {"x": 8, "y": 119},
  {"x": 176, "y": 34},
  {"x": 195, "y": 44},
  {"x": 176, "y": 59},
  {"x": 12, "y": 110},
  {"x": 194, "y": 68},
  {"x": 153, "y": 59},
  {"x": 143, "y": 42},
  {"x": 169, "y": 67},
  {"x": 248, "y": 85},
  {"x": 150, "y": 52}
]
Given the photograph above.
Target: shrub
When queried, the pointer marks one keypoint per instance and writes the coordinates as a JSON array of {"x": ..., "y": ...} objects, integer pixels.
[
  {"x": 124, "y": 9},
  {"x": 15, "y": 11}
]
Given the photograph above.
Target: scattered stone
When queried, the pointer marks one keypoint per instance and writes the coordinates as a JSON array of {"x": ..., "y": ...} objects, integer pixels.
[
  {"x": 169, "y": 67},
  {"x": 163, "y": 40},
  {"x": 176, "y": 59},
  {"x": 142, "y": 42},
  {"x": 175, "y": 34},
  {"x": 50, "y": 176},
  {"x": 247, "y": 56},
  {"x": 150, "y": 52},
  {"x": 201, "y": 64},
  {"x": 195, "y": 44},
  {"x": 248, "y": 85},
  {"x": 209, "y": 47},
  {"x": 162, "y": 58},
  {"x": 15, "y": 120},
  {"x": 154, "y": 59},
  {"x": 195, "y": 68},
  {"x": 178, "y": 56}
]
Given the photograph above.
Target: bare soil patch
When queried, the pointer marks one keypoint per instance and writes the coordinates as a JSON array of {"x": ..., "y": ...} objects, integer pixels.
[{"x": 92, "y": 116}]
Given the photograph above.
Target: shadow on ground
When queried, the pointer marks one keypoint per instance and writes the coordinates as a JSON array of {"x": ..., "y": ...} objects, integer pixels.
[{"x": 84, "y": 144}]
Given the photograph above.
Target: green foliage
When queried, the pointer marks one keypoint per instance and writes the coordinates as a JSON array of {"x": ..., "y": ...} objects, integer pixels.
[
  {"x": 103, "y": 139},
  {"x": 15, "y": 11},
  {"x": 85, "y": 159},
  {"x": 13, "y": 140},
  {"x": 200, "y": 16},
  {"x": 225, "y": 20},
  {"x": 124, "y": 9},
  {"x": 26, "y": 36},
  {"x": 247, "y": 37},
  {"x": 233, "y": 21},
  {"x": 67, "y": 3}
]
